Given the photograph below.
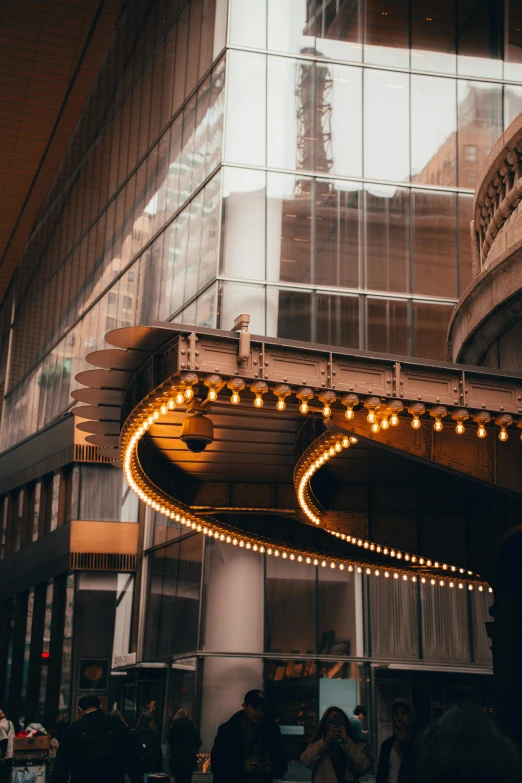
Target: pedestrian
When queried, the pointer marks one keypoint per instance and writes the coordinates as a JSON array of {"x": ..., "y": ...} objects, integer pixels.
[
  {"x": 7, "y": 733},
  {"x": 249, "y": 748},
  {"x": 465, "y": 746},
  {"x": 184, "y": 742},
  {"x": 95, "y": 748},
  {"x": 398, "y": 754},
  {"x": 359, "y": 714},
  {"x": 59, "y": 727},
  {"x": 148, "y": 744},
  {"x": 150, "y": 707},
  {"x": 116, "y": 715},
  {"x": 333, "y": 754}
]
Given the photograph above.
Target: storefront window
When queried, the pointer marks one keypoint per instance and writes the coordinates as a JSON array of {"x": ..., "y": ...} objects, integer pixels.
[
  {"x": 27, "y": 647},
  {"x": 35, "y": 506},
  {"x": 290, "y": 607},
  {"x": 64, "y": 706},
  {"x": 46, "y": 645}
]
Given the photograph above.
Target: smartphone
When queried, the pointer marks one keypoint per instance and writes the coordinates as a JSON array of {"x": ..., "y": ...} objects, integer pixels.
[{"x": 337, "y": 720}]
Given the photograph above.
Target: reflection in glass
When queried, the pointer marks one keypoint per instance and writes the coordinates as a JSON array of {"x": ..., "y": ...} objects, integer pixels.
[
  {"x": 480, "y": 38},
  {"x": 164, "y": 528},
  {"x": 290, "y": 26},
  {"x": 245, "y": 136},
  {"x": 336, "y": 614},
  {"x": 387, "y": 328},
  {"x": 247, "y": 23},
  {"x": 37, "y": 493},
  {"x": 27, "y": 647},
  {"x": 512, "y": 102},
  {"x": 290, "y": 607},
  {"x": 289, "y": 228},
  {"x": 513, "y": 42},
  {"x": 289, "y": 314},
  {"x": 433, "y": 36},
  {"x": 480, "y": 125},
  {"x": 55, "y": 502},
  {"x": 236, "y": 298},
  {"x": 386, "y": 33},
  {"x": 338, "y": 117},
  {"x": 64, "y": 705},
  {"x": 339, "y": 30},
  {"x": 465, "y": 208},
  {"x": 290, "y": 113},
  {"x": 386, "y": 125},
  {"x": 338, "y": 219},
  {"x": 244, "y": 194},
  {"x": 387, "y": 231},
  {"x": 430, "y": 327},
  {"x": 434, "y": 250},
  {"x": 433, "y": 131},
  {"x": 46, "y": 644},
  {"x": 337, "y": 320}
]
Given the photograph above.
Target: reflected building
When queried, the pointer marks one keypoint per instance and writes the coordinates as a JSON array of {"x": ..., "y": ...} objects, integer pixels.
[{"x": 312, "y": 164}]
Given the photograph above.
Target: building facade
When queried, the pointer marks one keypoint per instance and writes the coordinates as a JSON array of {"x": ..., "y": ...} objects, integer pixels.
[{"x": 312, "y": 164}]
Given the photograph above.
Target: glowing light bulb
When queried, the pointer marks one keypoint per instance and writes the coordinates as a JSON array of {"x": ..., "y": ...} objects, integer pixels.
[
  {"x": 338, "y": 446},
  {"x": 327, "y": 411},
  {"x": 189, "y": 393},
  {"x": 394, "y": 419},
  {"x": 375, "y": 427},
  {"x": 384, "y": 423},
  {"x": 171, "y": 404},
  {"x": 150, "y": 420},
  {"x": 163, "y": 409},
  {"x": 331, "y": 451},
  {"x": 349, "y": 413},
  {"x": 212, "y": 395},
  {"x": 502, "y": 435},
  {"x": 353, "y": 439},
  {"x": 303, "y": 408},
  {"x": 155, "y": 415},
  {"x": 281, "y": 404},
  {"x": 258, "y": 402},
  {"x": 438, "y": 425},
  {"x": 481, "y": 431},
  {"x": 179, "y": 398},
  {"x": 460, "y": 428},
  {"x": 236, "y": 399},
  {"x": 415, "y": 423},
  {"x": 345, "y": 442},
  {"x": 370, "y": 417}
]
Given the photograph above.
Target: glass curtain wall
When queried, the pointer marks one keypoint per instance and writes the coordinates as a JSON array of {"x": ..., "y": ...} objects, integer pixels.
[{"x": 355, "y": 134}]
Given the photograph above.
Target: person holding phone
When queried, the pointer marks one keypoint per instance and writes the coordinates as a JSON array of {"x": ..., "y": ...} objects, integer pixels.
[
  {"x": 332, "y": 754},
  {"x": 398, "y": 754}
]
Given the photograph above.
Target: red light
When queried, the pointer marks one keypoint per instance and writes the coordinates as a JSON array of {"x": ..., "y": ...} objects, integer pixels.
[{"x": 46, "y": 655}]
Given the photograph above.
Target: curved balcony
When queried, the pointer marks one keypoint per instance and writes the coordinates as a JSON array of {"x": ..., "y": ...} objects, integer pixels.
[{"x": 491, "y": 307}]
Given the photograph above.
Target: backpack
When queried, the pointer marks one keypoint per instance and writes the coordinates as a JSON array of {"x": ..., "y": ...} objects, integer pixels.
[{"x": 95, "y": 747}]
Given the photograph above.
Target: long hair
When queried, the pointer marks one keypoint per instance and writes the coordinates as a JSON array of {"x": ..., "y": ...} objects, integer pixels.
[
  {"x": 146, "y": 722},
  {"x": 182, "y": 713},
  {"x": 464, "y": 746},
  {"x": 322, "y": 729}
]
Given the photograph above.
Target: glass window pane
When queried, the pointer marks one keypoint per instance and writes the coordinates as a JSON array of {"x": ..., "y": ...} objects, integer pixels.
[
  {"x": 290, "y": 607},
  {"x": 290, "y": 113},
  {"x": 64, "y": 706},
  {"x": 245, "y": 131},
  {"x": 394, "y": 618},
  {"x": 27, "y": 648},
  {"x": 178, "y": 631},
  {"x": 244, "y": 202},
  {"x": 37, "y": 494},
  {"x": 430, "y": 328},
  {"x": 289, "y": 228},
  {"x": 338, "y": 103},
  {"x": 480, "y": 35},
  {"x": 513, "y": 43},
  {"x": 387, "y": 326},
  {"x": 55, "y": 502},
  {"x": 512, "y": 103},
  {"x": 387, "y": 220},
  {"x": 336, "y": 613},
  {"x": 290, "y": 26},
  {"x": 339, "y": 30},
  {"x": 433, "y": 131},
  {"x": 433, "y": 36},
  {"x": 386, "y": 106},
  {"x": 386, "y": 33},
  {"x": 236, "y": 299},
  {"x": 247, "y": 23},
  {"x": 480, "y": 125},
  {"x": 338, "y": 229},
  {"x": 289, "y": 314},
  {"x": 337, "y": 320},
  {"x": 46, "y": 644},
  {"x": 465, "y": 207},
  {"x": 434, "y": 251}
]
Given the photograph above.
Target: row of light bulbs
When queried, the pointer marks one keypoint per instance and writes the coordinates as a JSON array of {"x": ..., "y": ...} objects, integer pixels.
[{"x": 322, "y": 450}]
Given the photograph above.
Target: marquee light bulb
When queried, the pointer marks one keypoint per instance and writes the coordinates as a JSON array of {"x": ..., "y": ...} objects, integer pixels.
[
  {"x": 353, "y": 439},
  {"x": 179, "y": 398},
  {"x": 349, "y": 413},
  {"x": 258, "y": 402},
  {"x": 327, "y": 411},
  {"x": 280, "y": 404},
  {"x": 171, "y": 404},
  {"x": 212, "y": 395},
  {"x": 375, "y": 427},
  {"x": 189, "y": 393},
  {"x": 460, "y": 428},
  {"x": 481, "y": 431},
  {"x": 502, "y": 435},
  {"x": 163, "y": 409},
  {"x": 155, "y": 415},
  {"x": 345, "y": 442},
  {"x": 338, "y": 446},
  {"x": 384, "y": 423},
  {"x": 415, "y": 423},
  {"x": 438, "y": 426},
  {"x": 370, "y": 417},
  {"x": 303, "y": 408},
  {"x": 236, "y": 399},
  {"x": 394, "y": 420}
]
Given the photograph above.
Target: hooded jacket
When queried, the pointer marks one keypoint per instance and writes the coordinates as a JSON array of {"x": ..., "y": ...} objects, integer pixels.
[
  {"x": 408, "y": 749},
  {"x": 184, "y": 742},
  {"x": 71, "y": 759},
  {"x": 227, "y": 760}
]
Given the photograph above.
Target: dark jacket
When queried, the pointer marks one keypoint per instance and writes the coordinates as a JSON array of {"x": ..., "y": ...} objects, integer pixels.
[
  {"x": 227, "y": 760},
  {"x": 74, "y": 760},
  {"x": 184, "y": 742},
  {"x": 409, "y": 758},
  {"x": 149, "y": 751}
]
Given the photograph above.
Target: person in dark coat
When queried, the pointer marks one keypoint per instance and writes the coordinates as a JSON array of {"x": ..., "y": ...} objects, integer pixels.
[
  {"x": 398, "y": 754},
  {"x": 148, "y": 745},
  {"x": 249, "y": 747},
  {"x": 95, "y": 748},
  {"x": 184, "y": 742}
]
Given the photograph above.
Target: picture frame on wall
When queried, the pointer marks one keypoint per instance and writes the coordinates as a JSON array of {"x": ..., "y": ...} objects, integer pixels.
[{"x": 93, "y": 674}]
